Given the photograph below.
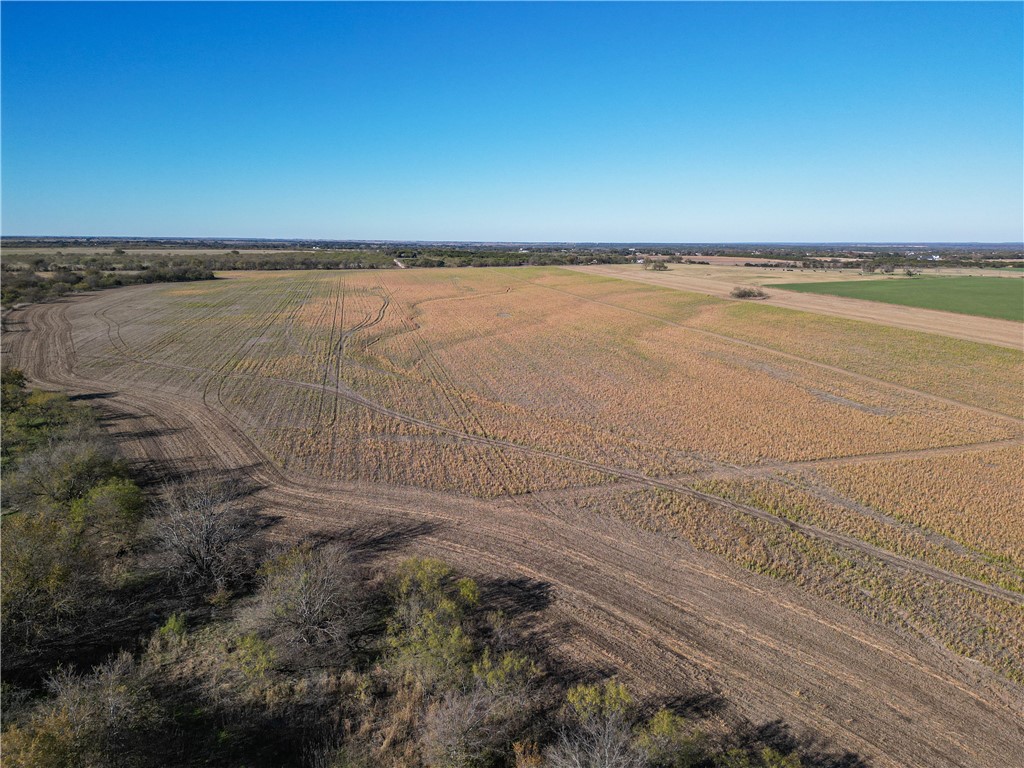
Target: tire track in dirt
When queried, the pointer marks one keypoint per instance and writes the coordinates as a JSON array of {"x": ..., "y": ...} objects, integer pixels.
[
  {"x": 839, "y": 539},
  {"x": 453, "y": 399},
  {"x": 298, "y": 493},
  {"x": 699, "y": 621},
  {"x": 307, "y": 505},
  {"x": 848, "y": 542},
  {"x": 772, "y": 468},
  {"x": 287, "y": 307}
]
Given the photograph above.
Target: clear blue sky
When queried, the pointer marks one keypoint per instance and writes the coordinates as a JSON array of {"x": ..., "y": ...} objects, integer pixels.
[{"x": 613, "y": 122}]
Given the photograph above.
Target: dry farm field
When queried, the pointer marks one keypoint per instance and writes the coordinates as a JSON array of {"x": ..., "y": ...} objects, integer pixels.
[
  {"x": 818, "y": 516},
  {"x": 718, "y": 280}
]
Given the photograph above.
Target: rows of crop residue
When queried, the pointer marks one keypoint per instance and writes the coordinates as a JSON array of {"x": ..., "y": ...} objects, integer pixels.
[
  {"x": 979, "y": 374},
  {"x": 587, "y": 372}
]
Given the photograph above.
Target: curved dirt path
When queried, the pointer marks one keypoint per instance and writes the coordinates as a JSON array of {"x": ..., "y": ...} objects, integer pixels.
[
  {"x": 671, "y": 619},
  {"x": 1003, "y": 333}
]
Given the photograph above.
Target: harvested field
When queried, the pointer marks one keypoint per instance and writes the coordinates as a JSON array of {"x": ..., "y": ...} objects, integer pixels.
[
  {"x": 987, "y": 484},
  {"x": 718, "y": 281},
  {"x": 716, "y": 501}
]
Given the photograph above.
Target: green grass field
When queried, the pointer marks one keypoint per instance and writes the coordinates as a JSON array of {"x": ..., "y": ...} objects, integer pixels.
[{"x": 984, "y": 296}]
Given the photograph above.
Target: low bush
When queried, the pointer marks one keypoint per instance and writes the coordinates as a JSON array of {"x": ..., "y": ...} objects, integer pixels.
[{"x": 747, "y": 292}]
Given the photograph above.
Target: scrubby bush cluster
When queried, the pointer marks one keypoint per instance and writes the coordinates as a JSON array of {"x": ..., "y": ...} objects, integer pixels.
[
  {"x": 22, "y": 286},
  {"x": 747, "y": 292},
  {"x": 70, "y": 511}
]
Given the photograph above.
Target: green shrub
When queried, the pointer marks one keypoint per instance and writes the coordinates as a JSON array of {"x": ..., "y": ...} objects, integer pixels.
[
  {"x": 46, "y": 573},
  {"x": 114, "y": 507},
  {"x": 510, "y": 671},
  {"x": 254, "y": 656},
  {"x": 669, "y": 741},
  {"x": 12, "y": 390},
  {"x": 774, "y": 759},
  {"x": 174, "y": 628},
  {"x": 597, "y": 701},
  {"x": 426, "y": 637}
]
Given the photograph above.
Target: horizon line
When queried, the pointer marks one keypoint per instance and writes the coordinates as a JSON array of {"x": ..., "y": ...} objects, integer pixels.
[{"x": 908, "y": 242}]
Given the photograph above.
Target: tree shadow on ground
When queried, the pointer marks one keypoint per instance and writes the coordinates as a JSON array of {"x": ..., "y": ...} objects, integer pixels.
[
  {"x": 814, "y": 750},
  {"x": 516, "y": 597},
  {"x": 693, "y": 705},
  {"x": 92, "y": 396}
]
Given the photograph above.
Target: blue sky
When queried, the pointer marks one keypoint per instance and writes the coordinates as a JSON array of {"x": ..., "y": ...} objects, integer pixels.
[{"x": 689, "y": 122}]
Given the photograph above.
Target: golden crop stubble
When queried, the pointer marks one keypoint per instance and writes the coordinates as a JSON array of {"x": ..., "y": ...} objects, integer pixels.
[
  {"x": 978, "y": 374},
  {"x": 974, "y": 497}
]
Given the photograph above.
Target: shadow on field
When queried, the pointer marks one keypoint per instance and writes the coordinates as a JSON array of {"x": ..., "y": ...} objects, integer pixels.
[
  {"x": 813, "y": 749},
  {"x": 368, "y": 541},
  {"x": 93, "y": 396},
  {"x": 158, "y": 473},
  {"x": 694, "y": 705},
  {"x": 515, "y": 597}
]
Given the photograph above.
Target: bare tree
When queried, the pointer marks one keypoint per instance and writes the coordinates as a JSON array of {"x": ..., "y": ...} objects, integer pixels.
[
  {"x": 604, "y": 741},
  {"x": 601, "y": 735},
  {"x": 470, "y": 727},
  {"x": 462, "y": 729},
  {"x": 206, "y": 533},
  {"x": 310, "y": 597}
]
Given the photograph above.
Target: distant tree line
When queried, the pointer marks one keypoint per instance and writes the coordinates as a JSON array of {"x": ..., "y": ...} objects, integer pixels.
[
  {"x": 130, "y": 268},
  {"x": 38, "y": 276},
  {"x": 21, "y": 286},
  {"x": 440, "y": 258},
  {"x": 123, "y": 261}
]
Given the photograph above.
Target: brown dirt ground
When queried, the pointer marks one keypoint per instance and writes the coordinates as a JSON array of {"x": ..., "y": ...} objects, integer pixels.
[
  {"x": 669, "y": 619},
  {"x": 1003, "y": 333}
]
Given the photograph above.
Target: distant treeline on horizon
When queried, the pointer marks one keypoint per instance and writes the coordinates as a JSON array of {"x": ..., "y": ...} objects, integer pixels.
[
  {"x": 70, "y": 241},
  {"x": 41, "y": 270}
]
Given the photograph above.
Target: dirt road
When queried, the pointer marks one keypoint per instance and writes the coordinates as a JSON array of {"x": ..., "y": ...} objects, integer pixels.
[
  {"x": 1003, "y": 333},
  {"x": 672, "y": 620}
]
